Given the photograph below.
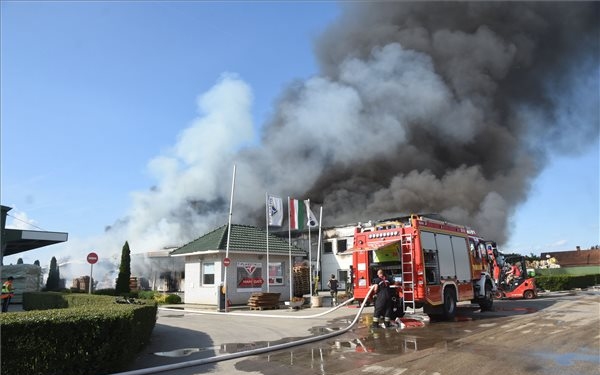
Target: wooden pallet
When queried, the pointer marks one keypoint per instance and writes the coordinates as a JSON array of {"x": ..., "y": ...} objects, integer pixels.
[
  {"x": 264, "y": 301},
  {"x": 265, "y": 307},
  {"x": 301, "y": 280}
]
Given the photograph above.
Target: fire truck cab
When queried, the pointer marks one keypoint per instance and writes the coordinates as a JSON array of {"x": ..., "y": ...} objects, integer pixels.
[{"x": 434, "y": 264}]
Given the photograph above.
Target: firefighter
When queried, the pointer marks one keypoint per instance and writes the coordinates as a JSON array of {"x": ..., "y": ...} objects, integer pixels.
[
  {"x": 383, "y": 300},
  {"x": 497, "y": 272},
  {"x": 7, "y": 293}
]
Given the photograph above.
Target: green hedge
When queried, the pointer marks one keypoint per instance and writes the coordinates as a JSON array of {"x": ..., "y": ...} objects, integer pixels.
[
  {"x": 94, "y": 335},
  {"x": 160, "y": 298},
  {"x": 573, "y": 271},
  {"x": 44, "y": 301},
  {"x": 566, "y": 282}
]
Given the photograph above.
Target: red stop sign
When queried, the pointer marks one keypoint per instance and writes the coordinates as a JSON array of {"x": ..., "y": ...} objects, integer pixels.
[
  {"x": 226, "y": 262},
  {"x": 92, "y": 258}
]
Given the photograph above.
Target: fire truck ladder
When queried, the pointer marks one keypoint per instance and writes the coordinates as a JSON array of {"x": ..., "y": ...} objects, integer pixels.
[{"x": 408, "y": 274}]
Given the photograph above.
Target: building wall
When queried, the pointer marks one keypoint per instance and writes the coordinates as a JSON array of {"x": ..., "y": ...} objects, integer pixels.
[
  {"x": 339, "y": 260},
  {"x": 575, "y": 258},
  {"x": 27, "y": 278},
  {"x": 194, "y": 292},
  {"x": 198, "y": 293}
]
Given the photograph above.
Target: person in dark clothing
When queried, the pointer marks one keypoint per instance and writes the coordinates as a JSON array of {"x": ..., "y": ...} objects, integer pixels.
[
  {"x": 333, "y": 289},
  {"x": 383, "y": 300}
]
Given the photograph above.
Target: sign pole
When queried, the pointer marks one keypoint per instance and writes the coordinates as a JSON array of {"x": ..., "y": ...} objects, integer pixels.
[
  {"x": 92, "y": 258},
  {"x": 91, "y": 273}
]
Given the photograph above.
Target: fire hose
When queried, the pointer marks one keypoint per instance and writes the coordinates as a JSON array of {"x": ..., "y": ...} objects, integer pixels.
[{"x": 245, "y": 353}]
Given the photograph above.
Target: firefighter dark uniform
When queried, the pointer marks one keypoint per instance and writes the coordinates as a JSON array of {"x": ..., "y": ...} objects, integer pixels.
[
  {"x": 383, "y": 300},
  {"x": 7, "y": 293}
]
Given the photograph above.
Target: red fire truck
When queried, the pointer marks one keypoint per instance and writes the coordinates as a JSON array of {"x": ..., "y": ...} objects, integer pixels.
[{"x": 434, "y": 264}]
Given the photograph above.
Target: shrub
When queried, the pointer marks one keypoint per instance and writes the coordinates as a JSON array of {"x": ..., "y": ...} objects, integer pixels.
[
  {"x": 94, "y": 335},
  {"x": 43, "y": 301},
  {"x": 167, "y": 298},
  {"x": 106, "y": 292},
  {"x": 172, "y": 299},
  {"x": 566, "y": 282},
  {"x": 147, "y": 294}
]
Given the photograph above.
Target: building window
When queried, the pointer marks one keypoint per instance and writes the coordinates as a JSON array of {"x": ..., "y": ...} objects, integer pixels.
[
  {"x": 328, "y": 247},
  {"x": 276, "y": 273},
  {"x": 342, "y": 245},
  {"x": 208, "y": 273}
]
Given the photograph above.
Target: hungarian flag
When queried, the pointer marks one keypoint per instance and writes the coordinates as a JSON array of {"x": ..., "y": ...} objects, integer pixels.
[{"x": 301, "y": 216}]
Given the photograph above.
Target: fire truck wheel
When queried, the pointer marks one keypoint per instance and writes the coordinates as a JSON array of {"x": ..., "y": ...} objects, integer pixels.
[
  {"x": 528, "y": 294},
  {"x": 488, "y": 301},
  {"x": 449, "y": 304}
]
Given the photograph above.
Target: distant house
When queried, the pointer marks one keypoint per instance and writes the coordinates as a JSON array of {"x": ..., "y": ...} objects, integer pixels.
[
  {"x": 157, "y": 270},
  {"x": 248, "y": 270},
  {"x": 575, "y": 258}
]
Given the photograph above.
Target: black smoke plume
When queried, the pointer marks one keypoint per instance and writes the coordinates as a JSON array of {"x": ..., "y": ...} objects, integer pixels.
[
  {"x": 441, "y": 107},
  {"x": 450, "y": 107}
]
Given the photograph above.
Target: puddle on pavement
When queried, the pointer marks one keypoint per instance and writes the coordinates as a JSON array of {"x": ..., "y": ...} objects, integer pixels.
[
  {"x": 179, "y": 352},
  {"x": 473, "y": 313},
  {"x": 525, "y": 310},
  {"x": 348, "y": 351},
  {"x": 364, "y": 345},
  {"x": 361, "y": 340}
]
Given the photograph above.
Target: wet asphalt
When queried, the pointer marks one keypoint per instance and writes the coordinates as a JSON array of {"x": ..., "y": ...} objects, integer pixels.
[
  {"x": 518, "y": 336},
  {"x": 187, "y": 333}
]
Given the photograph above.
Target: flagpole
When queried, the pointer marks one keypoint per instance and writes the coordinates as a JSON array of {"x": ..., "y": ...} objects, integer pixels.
[
  {"x": 309, "y": 254},
  {"x": 267, "y": 222},
  {"x": 319, "y": 243},
  {"x": 290, "y": 247},
  {"x": 228, "y": 236}
]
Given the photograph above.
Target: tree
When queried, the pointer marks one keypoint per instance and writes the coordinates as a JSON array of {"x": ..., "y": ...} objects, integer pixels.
[
  {"x": 124, "y": 271},
  {"x": 37, "y": 262},
  {"x": 20, "y": 261},
  {"x": 53, "y": 281}
]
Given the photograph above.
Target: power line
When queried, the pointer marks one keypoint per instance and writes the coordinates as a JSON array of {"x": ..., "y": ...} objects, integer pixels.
[{"x": 23, "y": 221}]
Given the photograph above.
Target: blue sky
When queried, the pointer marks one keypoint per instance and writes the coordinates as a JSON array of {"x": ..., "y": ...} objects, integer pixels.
[{"x": 92, "y": 92}]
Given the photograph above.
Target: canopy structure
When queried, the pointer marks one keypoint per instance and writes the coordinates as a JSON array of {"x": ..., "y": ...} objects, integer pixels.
[{"x": 16, "y": 241}]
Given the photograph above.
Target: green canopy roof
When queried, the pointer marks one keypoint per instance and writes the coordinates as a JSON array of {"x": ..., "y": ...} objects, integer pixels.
[{"x": 244, "y": 239}]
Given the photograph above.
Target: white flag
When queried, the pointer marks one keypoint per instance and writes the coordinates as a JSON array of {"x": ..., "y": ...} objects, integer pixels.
[
  {"x": 311, "y": 219},
  {"x": 275, "y": 209}
]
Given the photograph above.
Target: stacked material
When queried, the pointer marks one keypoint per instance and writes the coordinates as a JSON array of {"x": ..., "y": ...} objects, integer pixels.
[
  {"x": 301, "y": 281},
  {"x": 133, "y": 284},
  {"x": 81, "y": 283},
  {"x": 264, "y": 301}
]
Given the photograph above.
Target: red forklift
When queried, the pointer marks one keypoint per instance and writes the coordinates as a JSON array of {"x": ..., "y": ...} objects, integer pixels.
[{"x": 515, "y": 282}]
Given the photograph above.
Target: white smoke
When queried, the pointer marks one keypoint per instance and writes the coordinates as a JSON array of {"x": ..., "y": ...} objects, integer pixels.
[{"x": 196, "y": 168}]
